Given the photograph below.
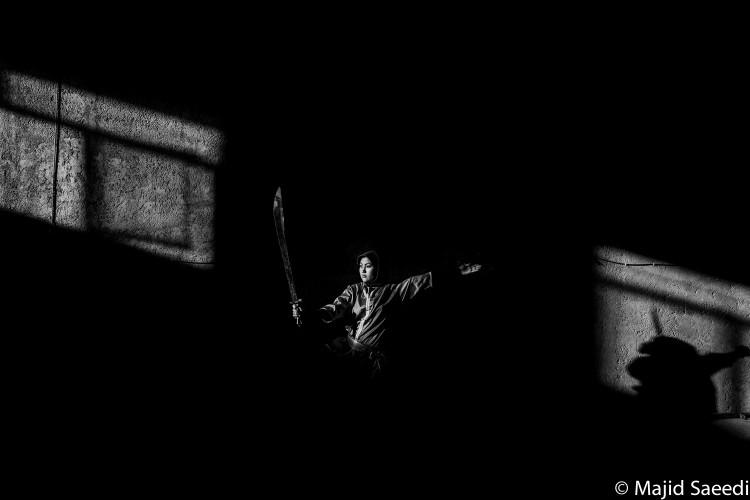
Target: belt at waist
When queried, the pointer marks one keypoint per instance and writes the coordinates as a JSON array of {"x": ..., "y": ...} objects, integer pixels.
[{"x": 360, "y": 347}]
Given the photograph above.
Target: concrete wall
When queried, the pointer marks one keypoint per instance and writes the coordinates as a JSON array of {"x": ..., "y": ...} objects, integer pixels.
[
  {"x": 27, "y": 145},
  {"x": 634, "y": 305},
  {"x": 134, "y": 175},
  {"x": 106, "y": 238}
]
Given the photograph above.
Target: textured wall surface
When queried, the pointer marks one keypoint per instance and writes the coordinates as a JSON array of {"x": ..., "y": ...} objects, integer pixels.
[
  {"x": 635, "y": 304},
  {"x": 140, "y": 177},
  {"x": 27, "y": 145}
]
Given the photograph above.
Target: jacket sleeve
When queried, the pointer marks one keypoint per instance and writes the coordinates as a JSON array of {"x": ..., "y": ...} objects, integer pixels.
[
  {"x": 408, "y": 288},
  {"x": 340, "y": 306}
]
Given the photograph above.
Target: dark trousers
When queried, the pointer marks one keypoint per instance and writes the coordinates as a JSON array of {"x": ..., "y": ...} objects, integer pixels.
[{"x": 360, "y": 367}]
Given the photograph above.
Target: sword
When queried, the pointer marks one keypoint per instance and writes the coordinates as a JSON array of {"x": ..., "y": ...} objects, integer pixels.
[{"x": 278, "y": 217}]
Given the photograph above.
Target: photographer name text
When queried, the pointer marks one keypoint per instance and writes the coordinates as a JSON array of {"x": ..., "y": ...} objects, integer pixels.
[{"x": 695, "y": 488}]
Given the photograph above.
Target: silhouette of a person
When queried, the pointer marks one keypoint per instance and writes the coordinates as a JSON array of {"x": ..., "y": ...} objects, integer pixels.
[{"x": 676, "y": 380}]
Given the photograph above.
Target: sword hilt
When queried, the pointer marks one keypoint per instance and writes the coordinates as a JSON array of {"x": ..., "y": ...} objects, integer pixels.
[{"x": 297, "y": 311}]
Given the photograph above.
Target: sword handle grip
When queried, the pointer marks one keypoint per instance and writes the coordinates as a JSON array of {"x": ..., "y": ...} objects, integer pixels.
[{"x": 297, "y": 311}]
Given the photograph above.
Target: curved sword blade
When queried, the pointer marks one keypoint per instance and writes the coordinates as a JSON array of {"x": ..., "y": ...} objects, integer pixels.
[{"x": 278, "y": 216}]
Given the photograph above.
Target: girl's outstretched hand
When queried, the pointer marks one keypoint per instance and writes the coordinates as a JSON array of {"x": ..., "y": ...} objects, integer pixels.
[{"x": 469, "y": 268}]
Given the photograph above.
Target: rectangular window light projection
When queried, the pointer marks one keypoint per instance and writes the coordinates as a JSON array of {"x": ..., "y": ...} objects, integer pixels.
[{"x": 143, "y": 178}]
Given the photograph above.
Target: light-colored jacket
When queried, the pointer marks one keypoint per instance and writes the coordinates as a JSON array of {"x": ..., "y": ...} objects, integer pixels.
[{"x": 370, "y": 308}]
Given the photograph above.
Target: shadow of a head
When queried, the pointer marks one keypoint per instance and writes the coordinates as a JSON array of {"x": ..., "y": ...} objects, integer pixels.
[
  {"x": 672, "y": 379},
  {"x": 669, "y": 347}
]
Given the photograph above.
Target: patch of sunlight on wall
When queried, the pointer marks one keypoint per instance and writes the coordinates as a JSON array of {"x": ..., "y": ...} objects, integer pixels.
[
  {"x": 633, "y": 303},
  {"x": 140, "y": 177}
]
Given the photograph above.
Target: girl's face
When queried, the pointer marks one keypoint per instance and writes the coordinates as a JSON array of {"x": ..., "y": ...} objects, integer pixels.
[{"x": 366, "y": 270}]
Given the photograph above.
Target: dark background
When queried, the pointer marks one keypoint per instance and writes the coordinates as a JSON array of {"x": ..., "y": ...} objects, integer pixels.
[
  {"x": 520, "y": 158},
  {"x": 120, "y": 354}
]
